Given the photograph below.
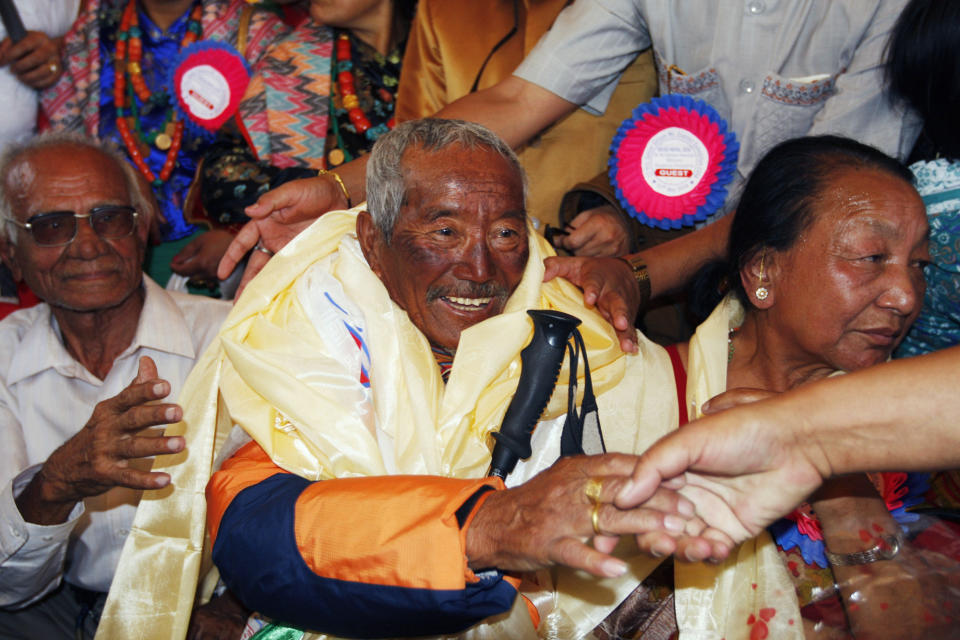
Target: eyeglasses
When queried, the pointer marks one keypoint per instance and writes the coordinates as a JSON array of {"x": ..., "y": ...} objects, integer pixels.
[{"x": 57, "y": 228}]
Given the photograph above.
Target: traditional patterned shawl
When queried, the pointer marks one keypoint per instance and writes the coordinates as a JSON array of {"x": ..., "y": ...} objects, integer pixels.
[{"x": 286, "y": 110}]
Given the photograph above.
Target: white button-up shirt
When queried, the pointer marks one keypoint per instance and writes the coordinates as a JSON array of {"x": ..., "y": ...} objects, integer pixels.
[{"x": 46, "y": 396}]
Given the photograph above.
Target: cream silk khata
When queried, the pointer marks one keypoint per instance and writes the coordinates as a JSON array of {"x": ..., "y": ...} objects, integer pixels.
[{"x": 272, "y": 375}]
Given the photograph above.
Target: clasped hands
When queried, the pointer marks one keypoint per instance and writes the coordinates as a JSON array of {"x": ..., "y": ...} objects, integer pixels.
[{"x": 550, "y": 520}]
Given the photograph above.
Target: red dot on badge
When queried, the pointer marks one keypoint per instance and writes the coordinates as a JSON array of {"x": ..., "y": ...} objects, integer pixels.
[
  {"x": 754, "y": 585},
  {"x": 790, "y": 622}
]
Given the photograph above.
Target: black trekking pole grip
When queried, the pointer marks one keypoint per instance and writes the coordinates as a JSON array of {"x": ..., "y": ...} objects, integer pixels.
[
  {"x": 11, "y": 21},
  {"x": 540, "y": 363}
]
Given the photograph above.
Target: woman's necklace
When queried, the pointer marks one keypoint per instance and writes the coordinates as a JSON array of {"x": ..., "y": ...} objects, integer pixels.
[
  {"x": 730, "y": 344},
  {"x": 347, "y": 88},
  {"x": 129, "y": 80}
]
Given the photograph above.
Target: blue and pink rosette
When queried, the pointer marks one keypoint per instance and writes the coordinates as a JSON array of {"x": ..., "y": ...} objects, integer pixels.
[
  {"x": 209, "y": 79},
  {"x": 671, "y": 162}
]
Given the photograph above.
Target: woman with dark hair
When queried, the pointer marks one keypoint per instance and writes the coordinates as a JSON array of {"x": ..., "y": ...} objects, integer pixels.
[
  {"x": 923, "y": 68},
  {"x": 824, "y": 274}
]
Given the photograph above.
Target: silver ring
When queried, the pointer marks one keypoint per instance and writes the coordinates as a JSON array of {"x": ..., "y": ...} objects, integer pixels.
[
  {"x": 262, "y": 249},
  {"x": 54, "y": 67}
]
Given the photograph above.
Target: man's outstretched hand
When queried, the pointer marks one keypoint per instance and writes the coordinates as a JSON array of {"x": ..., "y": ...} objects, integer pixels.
[
  {"x": 278, "y": 216},
  {"x": 608, "y": 284},
  {"x": 98, "y": 457}
]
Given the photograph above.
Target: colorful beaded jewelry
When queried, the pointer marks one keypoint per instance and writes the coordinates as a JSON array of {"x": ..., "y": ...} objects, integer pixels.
[
  {"x": 346, "y": 87},
  {"x": 129, "y": 81}
]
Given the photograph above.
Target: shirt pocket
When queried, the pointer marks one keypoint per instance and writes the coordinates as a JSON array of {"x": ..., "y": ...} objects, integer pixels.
[
  {"x": 786, "y": 108},
  {"x": 702, "y": 85}
]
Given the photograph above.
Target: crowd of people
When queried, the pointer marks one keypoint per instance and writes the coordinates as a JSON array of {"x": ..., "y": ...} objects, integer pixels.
[{"x": 270, "y": 266}]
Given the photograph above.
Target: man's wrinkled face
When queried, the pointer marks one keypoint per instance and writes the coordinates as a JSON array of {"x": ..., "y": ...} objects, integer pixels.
[
  {"x": 90, "y": 273},
  {"x": 459, "y": 246}
]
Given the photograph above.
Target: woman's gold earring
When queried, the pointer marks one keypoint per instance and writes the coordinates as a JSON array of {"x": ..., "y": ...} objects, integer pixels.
[{"x": 762, "y": 292}]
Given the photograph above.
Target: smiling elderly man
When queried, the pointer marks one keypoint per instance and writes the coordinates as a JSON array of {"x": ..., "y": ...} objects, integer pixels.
[
  {"x": 75, "y": 226},
  {"x": 353, "y": 500}
]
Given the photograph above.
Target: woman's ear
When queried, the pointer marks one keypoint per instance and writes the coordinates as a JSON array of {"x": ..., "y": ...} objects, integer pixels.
[{"x": 758, "y": 276}]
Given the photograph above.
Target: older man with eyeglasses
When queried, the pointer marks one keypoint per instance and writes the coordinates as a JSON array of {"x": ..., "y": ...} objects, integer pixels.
[{"x": 79, "y": 382}]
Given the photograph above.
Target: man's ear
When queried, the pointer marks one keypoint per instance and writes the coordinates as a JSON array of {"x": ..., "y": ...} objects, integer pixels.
[
  {"x": 371, "y": 241},
  {"x": 8, "y": 253}
]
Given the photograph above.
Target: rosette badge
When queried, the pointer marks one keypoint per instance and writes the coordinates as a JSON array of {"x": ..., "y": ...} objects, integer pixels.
[
  {"x": 209, "y": 79},
  {"x": 671, "y": 162}
]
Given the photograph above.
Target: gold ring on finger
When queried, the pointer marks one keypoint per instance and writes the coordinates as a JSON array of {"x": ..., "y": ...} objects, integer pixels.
[
  {"x": 593, "y": 489},
  {"x": 595, "y": 518},
  {"x": 54, "y": 68}
]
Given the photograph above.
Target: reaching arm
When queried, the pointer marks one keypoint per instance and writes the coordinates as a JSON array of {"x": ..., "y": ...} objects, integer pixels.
[
  {"x": 313, "y": 554},
  {"x": 748, "y": 466}
]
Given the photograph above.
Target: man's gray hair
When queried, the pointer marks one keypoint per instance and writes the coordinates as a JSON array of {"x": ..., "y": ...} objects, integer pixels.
[
  {"x": 386, "y": 190},
  {"x": 139, "y": 193}
]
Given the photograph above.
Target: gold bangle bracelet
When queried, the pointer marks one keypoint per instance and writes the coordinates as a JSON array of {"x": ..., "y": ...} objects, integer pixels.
[{"x": 343, "y": 187}]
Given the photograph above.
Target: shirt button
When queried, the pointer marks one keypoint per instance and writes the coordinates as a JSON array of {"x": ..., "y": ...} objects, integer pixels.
[
  {"x": 47, "y": 538},
  {"x": 123, "y": 532},
  {"x": 756, "y": 7},
  {"x": 747, "y": 86},
  {"x": 14, "y": 532}
]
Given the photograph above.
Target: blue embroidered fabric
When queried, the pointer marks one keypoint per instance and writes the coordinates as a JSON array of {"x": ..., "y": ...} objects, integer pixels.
[
  {"x": 938, "y": 326},
  {"x": 159, "y": 49}
]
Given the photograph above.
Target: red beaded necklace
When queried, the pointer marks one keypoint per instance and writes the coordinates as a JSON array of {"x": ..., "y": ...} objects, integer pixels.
[
  {"x": 347, "y": 87},
  {"x": 128, "y": 55}
]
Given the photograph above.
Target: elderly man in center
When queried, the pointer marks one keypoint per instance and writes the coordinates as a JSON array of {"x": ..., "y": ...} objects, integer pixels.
[
  {"x": 80, "y": 377},
  {"x": 360, "y": 377}
]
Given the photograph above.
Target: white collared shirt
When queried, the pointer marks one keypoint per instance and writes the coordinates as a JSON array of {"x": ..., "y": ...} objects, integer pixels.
[{"x": 46, "y": 396}]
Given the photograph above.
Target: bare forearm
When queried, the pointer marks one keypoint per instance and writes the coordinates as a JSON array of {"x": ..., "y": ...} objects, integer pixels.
[
  {"x": 354, "y": 176},
  {"x": 897, "y": 416},
  {"x": 514, "y": 109},
  {"x": 673, "y": 264},
  {"x": 882, "y": 599}
]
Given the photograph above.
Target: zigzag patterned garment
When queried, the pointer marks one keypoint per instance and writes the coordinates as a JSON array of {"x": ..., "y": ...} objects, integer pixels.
[{"x": 287, "y": 106}]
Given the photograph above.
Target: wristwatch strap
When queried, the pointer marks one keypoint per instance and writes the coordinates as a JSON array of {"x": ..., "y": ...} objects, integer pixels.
[{"x": 639, "y": 267}]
